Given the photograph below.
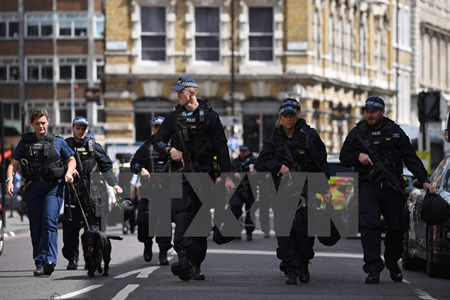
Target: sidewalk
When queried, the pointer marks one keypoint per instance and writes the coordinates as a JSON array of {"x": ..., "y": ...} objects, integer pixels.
[{"x": 14, "y": 226}]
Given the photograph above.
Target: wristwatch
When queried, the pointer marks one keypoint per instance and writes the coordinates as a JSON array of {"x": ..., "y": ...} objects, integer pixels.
[{"x": 8, "y": 180}]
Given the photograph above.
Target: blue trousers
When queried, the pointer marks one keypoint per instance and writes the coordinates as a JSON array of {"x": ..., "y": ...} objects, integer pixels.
[{"x": 44, "y": 200}]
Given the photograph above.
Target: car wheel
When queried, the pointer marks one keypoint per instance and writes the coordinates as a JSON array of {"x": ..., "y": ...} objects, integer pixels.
[
  {"x": 432, "y": 267},
  {"x": 2, "y": 233},
  {"x": 408, "y": 262}
]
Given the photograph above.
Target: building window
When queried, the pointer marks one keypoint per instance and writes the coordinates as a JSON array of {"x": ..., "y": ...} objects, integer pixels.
[
  {"x": 207, "y": 34},
  {"x": 38, "y": 25},
  {"x": 401, "y": 26},
  {"x": 65, "y": 110},
  {"x": 72, "y": 69},
  {"x": 261, "y": 34},
  {"x": 39, "y": 69},
  {"x": 11, "y": 111},
  {"x": 153, "y": 33},
  {"x": 99, "y": 25},
  {"x": 9, "y": 26},
  {"x": 72, "y": 24},
  {"x": 9, "y": 73},
  {"x": 99, "y": 69}
]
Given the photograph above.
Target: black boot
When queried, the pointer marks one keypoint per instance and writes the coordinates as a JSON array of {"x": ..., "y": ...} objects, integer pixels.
[
  {"x": 196, "y": 273},
  {"x": 49, "y": 267},
  {"x": 73, "y": 265},
  {"x": 182, "y": 267},
  {"x": 148, "y": 254},
  {"x": 303, "y": 274},
  {"x": 163, "y": 261},
  {"x": 395, "y": 272},
  {"x": 249, "y": 236},
  {"x": 38, "y": 272},
  {"x": 373, "y": 277},
  {"x": 291, "y": 273}
]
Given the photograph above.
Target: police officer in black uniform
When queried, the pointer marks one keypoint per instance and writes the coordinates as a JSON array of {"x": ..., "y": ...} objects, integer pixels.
[
  {"x": 144, "y": 162},
  {"x": 377, "y": 196},
  {"x": 244, "y": 163},
  {"x": 42, "y": 156},
  {"x": 309, "y": 154},
  {"x": 204, "y": 138},
  {"x": 93, "y": 159},
  {"x": 125, "y": 178}
]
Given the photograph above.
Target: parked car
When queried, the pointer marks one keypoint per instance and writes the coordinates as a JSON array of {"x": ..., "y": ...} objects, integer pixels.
[
  {"x": 2, "y": 230},
  {"x": 423, "y": 242}
]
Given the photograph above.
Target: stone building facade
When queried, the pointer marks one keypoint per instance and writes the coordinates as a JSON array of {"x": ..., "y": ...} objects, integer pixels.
[{"x": 331, "y": 54}]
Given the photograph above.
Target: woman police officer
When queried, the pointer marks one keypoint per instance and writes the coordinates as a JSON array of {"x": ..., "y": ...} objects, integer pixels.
[{"x": 42, "y": 156}]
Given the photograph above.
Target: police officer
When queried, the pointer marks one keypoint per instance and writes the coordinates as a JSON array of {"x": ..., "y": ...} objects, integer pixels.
[
  {"x": 377, "y": 196},
  {"x": 93, "y": 159},
  {"x": 204, "y": 137},
  {"x": 309, "y": 155},
  {"x": 244, "y": 163},
  {"x": 125, "y": 181},
  {"x": 42, "y": 156},
  {"x": 145, "y": 162}
]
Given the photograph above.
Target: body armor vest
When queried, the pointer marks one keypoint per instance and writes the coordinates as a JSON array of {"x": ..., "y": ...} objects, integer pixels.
[
  {"x": 383, "y": 144},
  {"x": 86, "y": 152},
  {"x": 194, "y": 129},
  {"x": 299, "y": 146},
  {"x": 41, "y": 161}
]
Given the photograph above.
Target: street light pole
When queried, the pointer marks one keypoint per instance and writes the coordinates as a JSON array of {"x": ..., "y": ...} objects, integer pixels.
[{"x": 232, "y": 61}]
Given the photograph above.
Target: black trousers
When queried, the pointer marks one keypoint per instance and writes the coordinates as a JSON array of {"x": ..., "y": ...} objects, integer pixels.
[
  {"x": 145, "y": 215},
  {"x": 183, "y": 212},
  {"x": 73, "y": 221},
  {"x": 237, "y": 202},
  {"x": 375, "y": 201},
  {"x": 298, "y": 246}
]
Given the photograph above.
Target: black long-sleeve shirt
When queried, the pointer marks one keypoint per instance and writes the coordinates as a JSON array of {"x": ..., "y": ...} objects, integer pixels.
[
  {"x": 215, "y": 131},
  {"x": 351, "y": 149}
]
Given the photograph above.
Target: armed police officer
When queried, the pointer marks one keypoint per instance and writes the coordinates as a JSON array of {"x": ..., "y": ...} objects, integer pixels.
[
  {"x": 199, "y": 128},
  {"x": 41, "y": 156},
  {"x": 306, "y": 153},
  {"x": 146, "y": 162},
  {"x": 93, "y": 159},
  {"x": 244, "y": 163},
  {"x": 380, "y": 192}
]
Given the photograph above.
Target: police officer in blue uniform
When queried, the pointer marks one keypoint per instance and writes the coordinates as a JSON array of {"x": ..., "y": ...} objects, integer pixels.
[
  {"x": 93, "y": 159},
  {"x": 244, "y": 163},
  {"x": 309, "y": 155},
  {"x": 376, "y": 194},
  {"x": 204, "y": 138},
  {"x": 41, "y": 156},
  {"x": 145, "y": 162}
]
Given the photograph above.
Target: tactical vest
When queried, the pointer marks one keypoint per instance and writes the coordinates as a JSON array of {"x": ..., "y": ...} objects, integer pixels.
[
  {"x": 41, "y": 161},
  {"x": 197, "y": 137},
  {"x": 156, "y": 162},
  {"x": 86, "y": 152},
  {"x": 299, "y": 146},
  {"x": 383, "y": 144}
]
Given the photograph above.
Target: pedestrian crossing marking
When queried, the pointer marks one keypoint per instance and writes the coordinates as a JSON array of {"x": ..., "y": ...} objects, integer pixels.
[{"x": 125, "y": 292}]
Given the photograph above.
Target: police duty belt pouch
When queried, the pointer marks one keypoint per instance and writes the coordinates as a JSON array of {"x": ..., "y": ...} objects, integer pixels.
[
  {"x": 436, "y": 208},
  {"x": 335, "y": 236}
]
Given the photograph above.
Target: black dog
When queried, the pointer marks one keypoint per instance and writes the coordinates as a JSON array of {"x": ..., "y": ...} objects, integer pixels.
[{"x": 97, "y": 247}]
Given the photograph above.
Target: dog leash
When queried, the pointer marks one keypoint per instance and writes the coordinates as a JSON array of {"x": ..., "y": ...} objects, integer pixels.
[{"x": 79, "y": 203}]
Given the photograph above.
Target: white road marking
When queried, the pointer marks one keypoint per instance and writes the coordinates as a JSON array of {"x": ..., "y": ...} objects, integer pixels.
[
  {"x": 123, "y": 294},
  {"x": 82, "y": 291},
  {"x": 132, "y": 272},
  {"x": 259, "y": 252},
  {"x": 423, "y": 295},
  {"x": 146, "y": 272},
  {"x": 406, "y": 281}
]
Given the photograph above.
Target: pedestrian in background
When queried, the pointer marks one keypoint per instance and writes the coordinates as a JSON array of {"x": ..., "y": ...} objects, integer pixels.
[
  {"x": 41, "y": 156},
  {"x": 378, "y": 196}
]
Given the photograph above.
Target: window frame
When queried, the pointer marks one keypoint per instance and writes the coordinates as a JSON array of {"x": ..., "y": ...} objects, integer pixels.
[
  {"x": 207, "y": 34},
  {"x": 150, "y": 34},
  {"x": 73, "y": 62},
  {"x": 73, "y": 18},
  {"x": 262, "y": 34},
  {"x": 39, "y": 18},
  {"x": 7, "y": 19},
  {"x": 9, "y": 63},
  {"x": 38, "y": 62}
]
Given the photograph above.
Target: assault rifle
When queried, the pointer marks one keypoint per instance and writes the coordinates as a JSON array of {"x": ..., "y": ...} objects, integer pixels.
[
  {"x": 177, "y": 141},
  {"x": 83, "y": 183},
  {"x": 380, "y": 165}
]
